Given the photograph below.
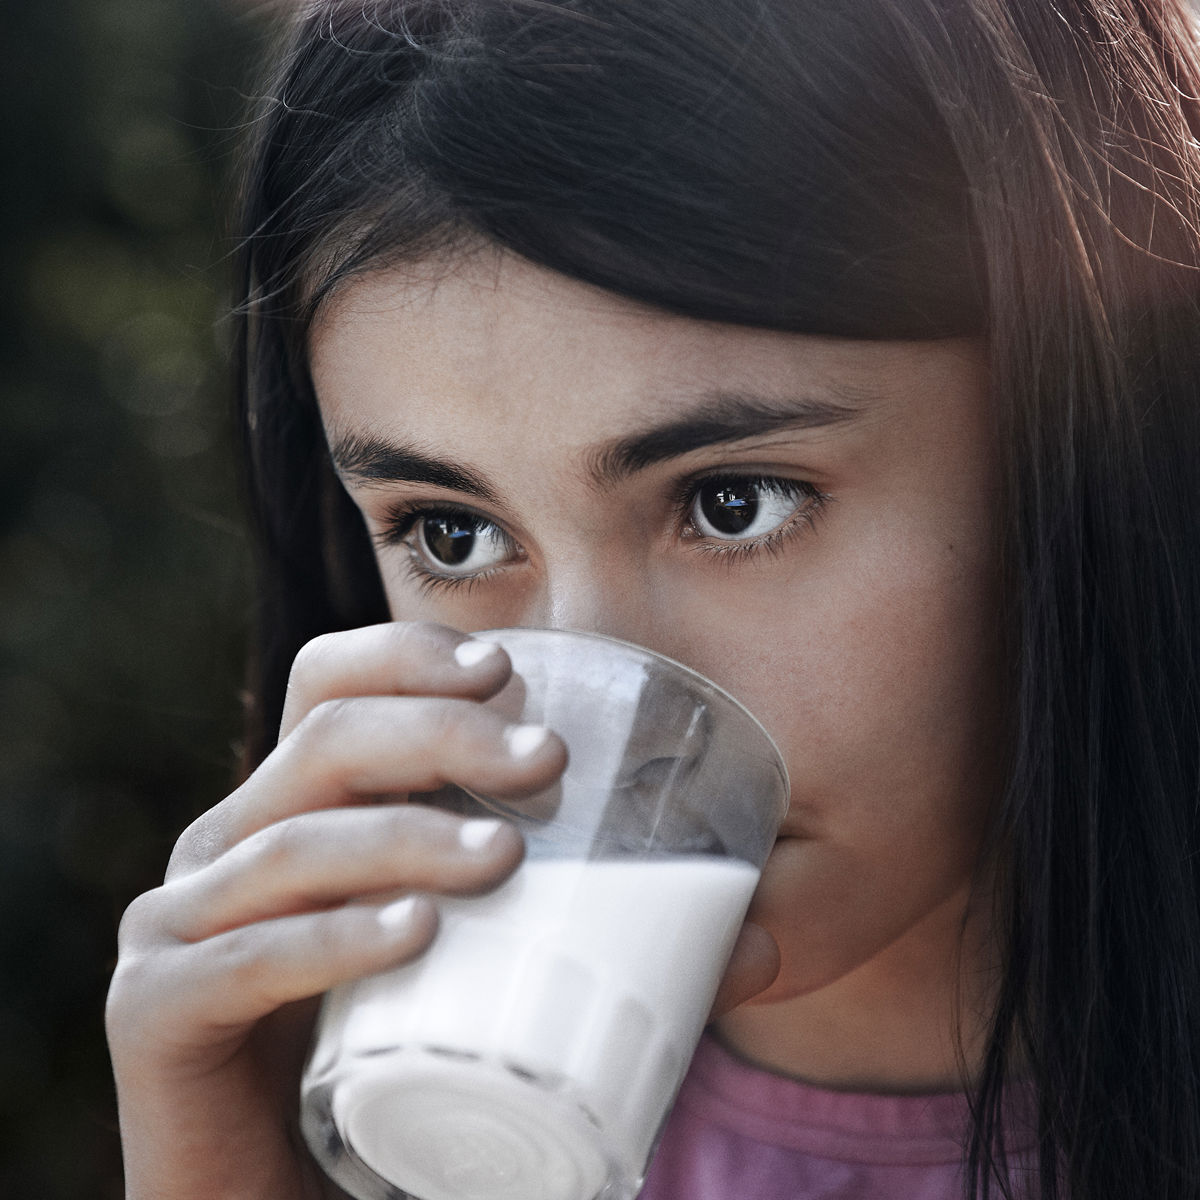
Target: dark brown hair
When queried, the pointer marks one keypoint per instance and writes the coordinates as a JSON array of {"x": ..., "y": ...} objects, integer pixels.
[{"x": 1019, "y": 169}]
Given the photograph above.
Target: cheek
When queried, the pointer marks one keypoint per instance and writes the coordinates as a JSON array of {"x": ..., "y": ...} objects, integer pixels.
[
  {"x": 845, "y": 672},
  {"x": 880, "y": 686},
  {"x": 880, "y": 683}
]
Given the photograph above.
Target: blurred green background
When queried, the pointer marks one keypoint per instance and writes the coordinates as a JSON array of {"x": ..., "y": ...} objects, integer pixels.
[{"x": 123, "y": 566}]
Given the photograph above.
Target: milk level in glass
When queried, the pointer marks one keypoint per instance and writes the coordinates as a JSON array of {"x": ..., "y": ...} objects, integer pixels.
[{"x": 562, "y": 1006}]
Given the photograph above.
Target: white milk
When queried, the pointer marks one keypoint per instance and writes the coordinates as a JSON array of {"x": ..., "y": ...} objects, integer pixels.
[{"x": 592, "y": 979}]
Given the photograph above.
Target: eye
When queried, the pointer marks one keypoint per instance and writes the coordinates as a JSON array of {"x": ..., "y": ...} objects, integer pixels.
[
  {"x": 454, "y": 544},
  {"x": 737, "y": 510}
]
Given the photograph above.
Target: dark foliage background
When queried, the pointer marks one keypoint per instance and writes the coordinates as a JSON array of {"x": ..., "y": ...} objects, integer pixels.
[{"x": 123, "y": 597}]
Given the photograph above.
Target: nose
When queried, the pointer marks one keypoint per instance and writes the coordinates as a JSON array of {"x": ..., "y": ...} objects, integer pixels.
[
  {"x": 595, "y": 595},
  {"x": 596, "y": 586}
]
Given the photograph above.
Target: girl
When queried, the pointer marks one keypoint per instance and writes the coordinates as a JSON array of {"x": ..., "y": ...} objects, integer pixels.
[{"x": 845, "y": 350}]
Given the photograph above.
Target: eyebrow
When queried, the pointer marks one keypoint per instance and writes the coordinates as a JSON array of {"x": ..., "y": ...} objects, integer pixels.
[
  {"x": 371, "y": 459},
  {"x": 718, "y": 419}
]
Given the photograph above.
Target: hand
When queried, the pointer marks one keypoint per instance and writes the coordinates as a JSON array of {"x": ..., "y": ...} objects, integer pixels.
[{"x": 289, "y": 886}]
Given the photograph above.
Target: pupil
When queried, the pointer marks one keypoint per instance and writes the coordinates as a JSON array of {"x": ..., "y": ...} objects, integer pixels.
[
  {"x": 729, "y": 508},
  {"x": 449, "y": 540}
]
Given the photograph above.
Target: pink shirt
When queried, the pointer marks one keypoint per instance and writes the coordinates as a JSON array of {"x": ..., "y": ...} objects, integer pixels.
[{"x": 739, "y": 1133}]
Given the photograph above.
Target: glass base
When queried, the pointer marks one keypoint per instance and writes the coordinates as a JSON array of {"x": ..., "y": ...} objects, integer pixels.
[{"x": 422, "y": 1124}]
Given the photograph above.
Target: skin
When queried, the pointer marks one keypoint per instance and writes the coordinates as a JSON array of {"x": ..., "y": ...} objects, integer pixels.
[{"x": 858, "y": 623}]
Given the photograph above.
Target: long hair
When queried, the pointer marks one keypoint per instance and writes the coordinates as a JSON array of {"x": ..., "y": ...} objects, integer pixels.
[{"x": 1023, "y": 170}]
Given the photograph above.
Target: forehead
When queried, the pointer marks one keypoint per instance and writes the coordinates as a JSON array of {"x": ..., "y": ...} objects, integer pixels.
[
  {"x": 488, "y": 357},
  {"x": 494, "y": 334}
]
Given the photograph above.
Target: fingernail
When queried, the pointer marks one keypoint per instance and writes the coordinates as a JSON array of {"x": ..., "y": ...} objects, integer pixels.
[
  {"x": 476, "y": 834},
  {"x": 473, "y": 652},
  {"x": 399, "y": 915},
  {"x": 525, "y": 740}
]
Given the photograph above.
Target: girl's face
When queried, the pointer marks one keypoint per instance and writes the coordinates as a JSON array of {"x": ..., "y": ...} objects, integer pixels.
[{"x": 809, "y": 522}]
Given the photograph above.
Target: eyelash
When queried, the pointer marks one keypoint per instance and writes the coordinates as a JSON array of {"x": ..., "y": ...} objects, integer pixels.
[{"x": 403, "y": 519}]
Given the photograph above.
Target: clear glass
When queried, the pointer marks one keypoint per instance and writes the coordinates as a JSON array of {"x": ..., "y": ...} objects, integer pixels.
[{"x": 533, "y": 1052}]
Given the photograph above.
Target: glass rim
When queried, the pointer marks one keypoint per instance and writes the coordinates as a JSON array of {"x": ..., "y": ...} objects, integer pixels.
[{"x": 703, "y": 681}]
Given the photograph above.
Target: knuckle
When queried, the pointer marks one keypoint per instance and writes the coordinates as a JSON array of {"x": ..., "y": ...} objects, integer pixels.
[
  {"x": 127, "y": 987},
  {"x": 120, "y": 1004},
  {"x": 278, "y": 848},
  {"x": 408, "y": 828},
  {"x": 138, "y": 922},
  {"x": 312, "y": 665},
  {"x": 451, "y": 723},
  {"x": 465, "y": 733},
  {"x": 336, "y": 936},
  {"x": 421, "y": 637},
  {"x": 200, "y": 843},
  {"x": 311, "y": 658},
  {"x": 421, "y": 649},
  {"x": 325, "y": 723},
  {"x": 239, "y": 959},
  {"x": 136, "y": 991}
]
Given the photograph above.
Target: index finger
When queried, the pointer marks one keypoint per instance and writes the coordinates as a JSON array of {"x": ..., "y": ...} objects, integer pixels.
[{"x": 400, "y": 658}]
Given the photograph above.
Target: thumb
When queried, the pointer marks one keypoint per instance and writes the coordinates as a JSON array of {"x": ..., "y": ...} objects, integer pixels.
[{"x": 752, "y": 968}]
